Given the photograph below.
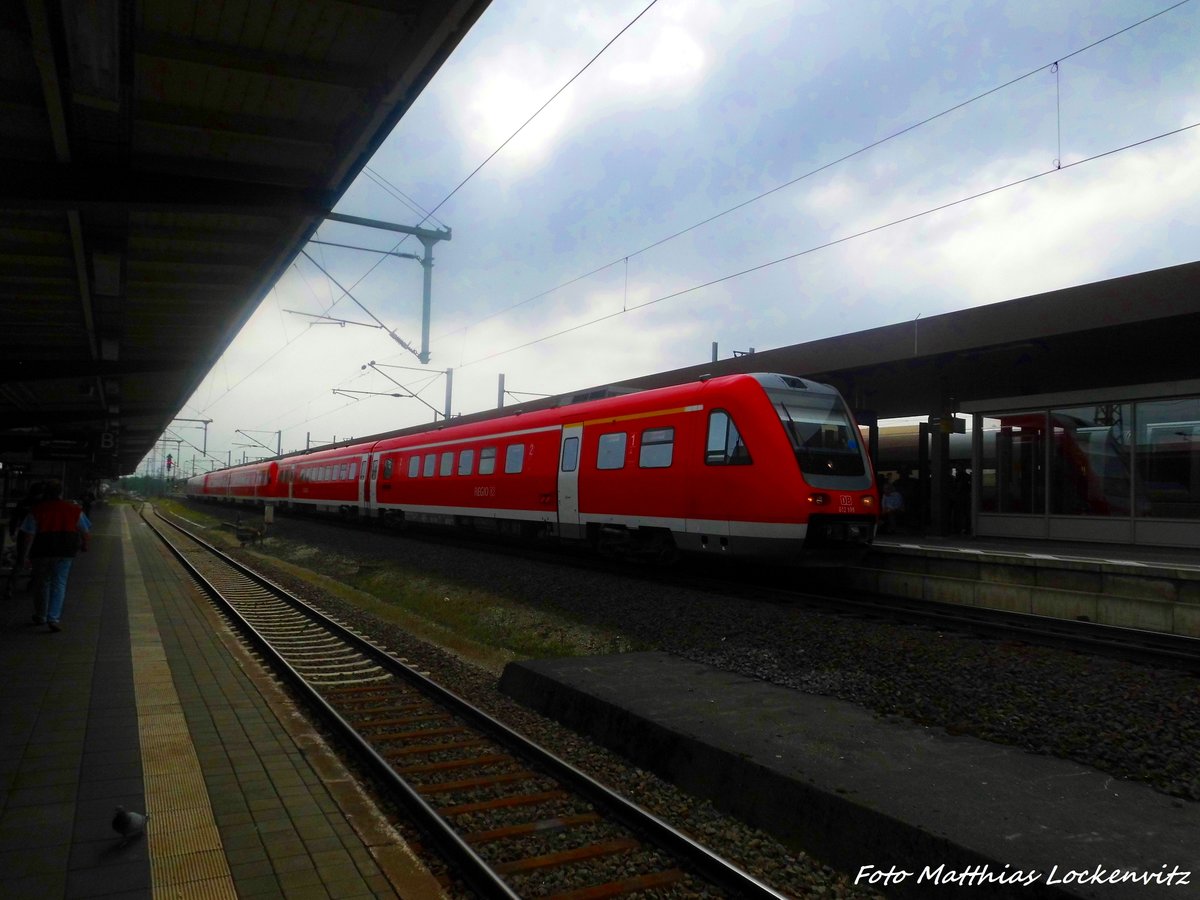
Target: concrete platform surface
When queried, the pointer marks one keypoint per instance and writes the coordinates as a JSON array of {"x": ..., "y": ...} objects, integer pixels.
[
  {"x": 871, "y": 796},
  {"x": 145, "y": 700}
]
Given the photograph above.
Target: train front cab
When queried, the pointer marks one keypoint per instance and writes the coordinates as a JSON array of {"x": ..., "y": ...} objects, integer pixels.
[
  {"x": 716, "y": 466},
  {"x": 813, "y": 494}
]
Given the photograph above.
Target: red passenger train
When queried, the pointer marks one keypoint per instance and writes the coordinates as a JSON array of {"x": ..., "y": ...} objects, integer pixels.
[{"x": 740, "y": 464}]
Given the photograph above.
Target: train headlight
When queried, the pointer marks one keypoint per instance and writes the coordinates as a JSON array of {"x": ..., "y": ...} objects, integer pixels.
[
  {"x": 818, "y": 499},
  {"x": 868, "y": 501}
]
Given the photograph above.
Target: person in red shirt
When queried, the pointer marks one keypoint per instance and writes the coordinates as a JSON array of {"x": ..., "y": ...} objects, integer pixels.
[{"x": 55, "y": 530}]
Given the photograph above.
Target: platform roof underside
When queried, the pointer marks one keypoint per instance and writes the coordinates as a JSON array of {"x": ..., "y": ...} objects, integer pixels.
[{"x": 163, "y": 161}]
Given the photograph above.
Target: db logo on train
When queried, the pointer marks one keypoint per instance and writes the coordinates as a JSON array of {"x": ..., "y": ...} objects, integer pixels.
[{"x": 845, "y": 503}]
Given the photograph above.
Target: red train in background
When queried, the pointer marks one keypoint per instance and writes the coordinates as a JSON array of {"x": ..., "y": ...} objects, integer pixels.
[{"x": 759, "y": 464}]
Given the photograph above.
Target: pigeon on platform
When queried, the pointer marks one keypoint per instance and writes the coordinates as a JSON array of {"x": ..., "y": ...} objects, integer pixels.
[{"x": 128, "y": 824}]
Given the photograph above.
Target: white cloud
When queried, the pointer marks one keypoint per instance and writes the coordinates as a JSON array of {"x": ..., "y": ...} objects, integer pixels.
[
  {"x": 699, "y": 107},
  {"x": 674, "y": 61}
]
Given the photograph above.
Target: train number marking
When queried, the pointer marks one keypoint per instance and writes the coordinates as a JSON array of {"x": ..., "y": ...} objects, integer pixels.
[{"x": 485, "y": 492}]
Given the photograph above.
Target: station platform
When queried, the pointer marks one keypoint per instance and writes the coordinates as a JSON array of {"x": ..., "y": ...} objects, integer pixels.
[
  {"x": 909, "y": 810},
  {"x": 1140, "y": 587},
  {"x": 145, "y": 700}
]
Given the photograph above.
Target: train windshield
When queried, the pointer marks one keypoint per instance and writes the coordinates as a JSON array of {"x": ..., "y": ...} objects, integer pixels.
[{"x": 823, "y": 437}]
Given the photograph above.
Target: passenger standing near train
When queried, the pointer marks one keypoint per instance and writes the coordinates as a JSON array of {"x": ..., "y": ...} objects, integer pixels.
[
  {"x": 893, "y": 507},
  {"x": 55, "y": 530}
]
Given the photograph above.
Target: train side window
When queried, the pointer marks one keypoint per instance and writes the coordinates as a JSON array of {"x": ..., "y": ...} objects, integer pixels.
[
  {"x": 466, "y": 462},
  {"x": 387, "y": 469},
  {"x": 430, "y": 465},
  {"x": 514, "y": 458},
  {"x": 570, "y": 454},
  {"x": 487, "y": 461},
  {"x": 658, "y": 448},
  {"x": 343, "y": 472},
  {"x": 353, "y": 470},
  {"x": 725, "y": 446},
  {"x": 414, "y": 466},
  {"x": 611, "y": 452},
  {"x": 447, "y": 464},
  {"x": 375, "y": 468}
]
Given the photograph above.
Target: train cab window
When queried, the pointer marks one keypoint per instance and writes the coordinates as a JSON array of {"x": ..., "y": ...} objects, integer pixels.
[
  {"x": 725, "y": 446},
  {"x": 430, "y": 465},
  {"x": 570, "y": 454},
  {"x": 447, "y": 464},
  {"x": 487, "y": 461},
  {"x": 414, "y": 466},
  {"x": 514, "y": 458},
  {"x": 611, "y": 452},
  {"x": 466, "y": 462},
  {"x": 658, "y": 447},
  {"x": 387, "y": 469}
]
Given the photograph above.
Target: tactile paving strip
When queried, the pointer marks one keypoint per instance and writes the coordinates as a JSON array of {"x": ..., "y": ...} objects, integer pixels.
[{"x": 186, "y": 857}]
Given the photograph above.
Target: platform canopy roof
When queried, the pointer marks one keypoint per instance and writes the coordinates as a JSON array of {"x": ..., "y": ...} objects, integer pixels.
[
  {"x": 161, "y": 163},
  {"x": 1092, "y": 340}
]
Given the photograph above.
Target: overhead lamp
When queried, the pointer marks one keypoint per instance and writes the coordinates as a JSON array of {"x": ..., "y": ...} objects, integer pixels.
[
  {"x": 106, "y": 273},
  {"x": 94, "y": 52}
]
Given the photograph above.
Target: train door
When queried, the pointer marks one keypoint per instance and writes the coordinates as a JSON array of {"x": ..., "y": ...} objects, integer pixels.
[
  {"x": 362, "y": 483},
  {"x": 372, "y": 489},
  {"x": 568, "y": 481}
]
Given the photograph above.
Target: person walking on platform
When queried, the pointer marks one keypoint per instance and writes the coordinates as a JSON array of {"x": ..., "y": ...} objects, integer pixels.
[{"x": 55, "y": 530}]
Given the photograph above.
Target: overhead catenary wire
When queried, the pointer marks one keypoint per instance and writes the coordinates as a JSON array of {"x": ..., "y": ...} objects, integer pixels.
[
  {"x": 835, "y": 242},
  {"x": 1052, "y": 66},
  {"x": 624, "y": 258},
  {"x": 507, "y": 141}
]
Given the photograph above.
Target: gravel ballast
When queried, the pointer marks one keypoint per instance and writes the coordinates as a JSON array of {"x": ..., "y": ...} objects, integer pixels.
[{"x": 1132, "y": 721}]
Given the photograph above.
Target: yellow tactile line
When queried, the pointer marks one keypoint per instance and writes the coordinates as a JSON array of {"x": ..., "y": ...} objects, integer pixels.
[{"x": 186, "y": 856}]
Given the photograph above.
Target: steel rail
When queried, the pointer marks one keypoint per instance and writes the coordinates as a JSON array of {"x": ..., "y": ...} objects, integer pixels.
[
  {"x": 717, "y": 870},
  {"x": 474, "y": 870}
]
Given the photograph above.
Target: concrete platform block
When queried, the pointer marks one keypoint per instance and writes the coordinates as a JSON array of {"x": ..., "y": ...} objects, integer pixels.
[
  {"x": 1186, "y": 620},
  {"x": 961, "y": 569},
  {"x": 1066, "y": 605},
  {"x": 900, "y": 584},
  {"x": 1000, "y": 573},
  {"x": 951, "y": 590},
  {"x": 1058, "y": 577},
  {"x": 1126, "y": 612},
  {"x": 1011, "y": 597},
  {"x": 856, "y": 790},
  {"x": 1163, "y": 590}
]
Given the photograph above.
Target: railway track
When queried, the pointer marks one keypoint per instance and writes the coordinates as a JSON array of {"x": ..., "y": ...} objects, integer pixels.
[
  {"x": 509, "y": 818},
  {"x": 774, "y": 584}
]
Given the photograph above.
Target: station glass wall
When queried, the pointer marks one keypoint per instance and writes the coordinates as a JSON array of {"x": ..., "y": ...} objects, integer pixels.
[
  {"x": 1167, "y": 458},
  {"x": 1105, "y": 460},
  {"x": 1013, "y": 465}
]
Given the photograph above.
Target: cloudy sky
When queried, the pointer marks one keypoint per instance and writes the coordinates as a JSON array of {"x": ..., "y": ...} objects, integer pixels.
[{"x": 756, "y": 174}]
